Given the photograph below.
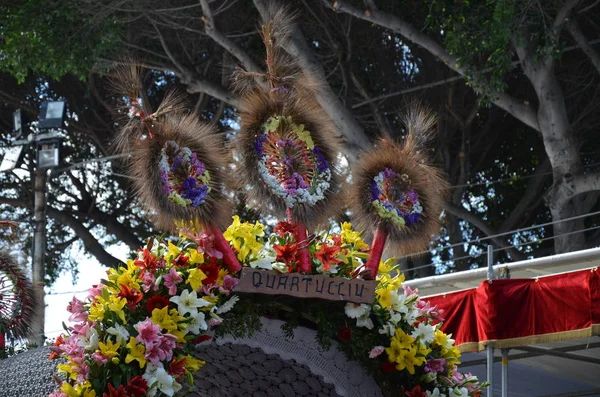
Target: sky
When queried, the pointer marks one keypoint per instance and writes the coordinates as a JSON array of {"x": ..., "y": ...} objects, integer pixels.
[{"x": 62, "y": 291}]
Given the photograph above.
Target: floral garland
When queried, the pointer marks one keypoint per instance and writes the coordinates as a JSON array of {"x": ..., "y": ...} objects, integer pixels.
[
  {"x": 290, "y": 163},
  {"x": 403, "y": 208},
  {"x": 185, "y": 179},
  {"x": 150, "y": 313}
]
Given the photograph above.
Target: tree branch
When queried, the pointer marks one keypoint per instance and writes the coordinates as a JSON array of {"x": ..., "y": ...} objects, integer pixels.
[
  {"x": 341, "y": 116},
  {"x": 574, "y": 186},
  {"x": 89, "y": 241},
  {"x": 481, "y": 225},
  {"x": 532, "y": 194},
  {"x": 517, "y": 108},
  {"x": 582, "y": 41},
  {"x": 223, "y": 41}
]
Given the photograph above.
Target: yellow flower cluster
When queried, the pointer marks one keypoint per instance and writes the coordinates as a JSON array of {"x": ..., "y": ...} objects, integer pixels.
[
  {"x": 406, "y": 352},
  {"x": 245, "y": 239},
  {"x": 446, "y": 346},
  {"x": 387, "y": 289}
]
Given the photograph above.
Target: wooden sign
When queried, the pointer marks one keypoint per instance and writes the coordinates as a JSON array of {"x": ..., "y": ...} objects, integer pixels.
[{"x": 306, "y": 286}]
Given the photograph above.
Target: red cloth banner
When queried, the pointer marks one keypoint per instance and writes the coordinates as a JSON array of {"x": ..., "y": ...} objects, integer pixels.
[{"x": 520, "y": 312}]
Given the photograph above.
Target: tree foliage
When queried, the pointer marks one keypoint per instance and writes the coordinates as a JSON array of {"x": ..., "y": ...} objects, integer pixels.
[
  {"x": 53, "y": 38},
  {"x": 525, "y": 59}
]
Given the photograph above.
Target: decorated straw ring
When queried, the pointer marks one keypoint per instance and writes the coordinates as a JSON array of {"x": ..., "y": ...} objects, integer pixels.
[
  {"x": 286, "y": 144},
  {"x": 16, "y": 301},
  {"x": 397, "y": 193},
  {"x": 177, "y": 164}
]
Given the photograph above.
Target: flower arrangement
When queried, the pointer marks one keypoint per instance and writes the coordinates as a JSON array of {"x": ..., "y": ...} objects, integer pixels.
[
  {"x": 135, "y": 331},
  {"x": 394, "y": 199},
  {"x": 185, "y": 179},
  {"x": 397, "y": 337},
  {"x": 290, "y": 163}
]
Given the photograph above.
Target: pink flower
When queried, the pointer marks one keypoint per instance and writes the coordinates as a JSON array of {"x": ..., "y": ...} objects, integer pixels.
[
  {"x": 148, "y": 332},
  {"x": 213, "y": 322},
  {"x": 162, "y": 349},
  {"x": 71, "y": 346},
  {"x": 171, "y": 280},
  {"x": 58, "y": 393},
  {"x": 149, "y": 282},
  {"x": 99, "y": 358},
  {"x": 436, "y": 365},
  {"x": 205, "y": 243},
  {"x": 229, "y": 282},
  {"x": 376, "y": 351},
  {"x": 409, "y": 291},
  {"x": 77, "y": 310},
  {"x": 95, "y": 291}
]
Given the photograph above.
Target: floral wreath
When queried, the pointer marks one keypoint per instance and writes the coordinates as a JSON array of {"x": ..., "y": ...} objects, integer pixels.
[
  {"x": 185, "y": 179},
  {"x": 289, "y": 162}
]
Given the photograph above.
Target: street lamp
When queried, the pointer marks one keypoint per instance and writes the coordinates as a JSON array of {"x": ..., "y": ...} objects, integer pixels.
[{"x": 52, "y": 115}]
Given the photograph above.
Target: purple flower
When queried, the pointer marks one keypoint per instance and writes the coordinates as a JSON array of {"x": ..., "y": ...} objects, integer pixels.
[
  {"x": 412, "y": 218},
  {"x": 284, "y": 142},
  {"x": 322, "y": 165},
  {"x": 189, "y": 183},
  {"x": 197, "y": 164},
  {"x": 388, "y": 173},
  {"x": 258, "y": 144},
  {"x": 164, "y": 180},
  {"x": 412, "y": 195},
  {"x": 375, "y": 192}
]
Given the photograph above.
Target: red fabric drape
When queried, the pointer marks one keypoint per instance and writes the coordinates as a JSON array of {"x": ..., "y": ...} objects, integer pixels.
[{"x": 518, "y": 312}]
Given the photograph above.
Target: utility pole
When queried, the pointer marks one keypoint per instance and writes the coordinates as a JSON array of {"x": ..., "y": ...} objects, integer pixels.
[{"x": 38, "y": 269}]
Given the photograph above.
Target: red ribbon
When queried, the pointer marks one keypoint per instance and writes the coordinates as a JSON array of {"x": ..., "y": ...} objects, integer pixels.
[
  {"x": 301, "y": 235},
  {"x": 229, "y": 258},
  {"x": 377, "y": 247}
]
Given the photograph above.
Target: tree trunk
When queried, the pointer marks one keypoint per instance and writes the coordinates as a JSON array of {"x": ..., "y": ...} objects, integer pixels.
[
  {"x": 561, "y": 147},
  {"x": 37, "y": 267}
]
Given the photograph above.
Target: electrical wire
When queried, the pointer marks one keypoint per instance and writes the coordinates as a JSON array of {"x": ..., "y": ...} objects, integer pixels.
[
  {"x": 475, "y": 256},
  {"x": 477, "y": 240}
]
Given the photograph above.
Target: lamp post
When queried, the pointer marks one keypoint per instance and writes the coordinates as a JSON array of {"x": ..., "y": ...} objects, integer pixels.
[
  {"x": 52, "y": 115},
  {"x": 47, "y": 146}
]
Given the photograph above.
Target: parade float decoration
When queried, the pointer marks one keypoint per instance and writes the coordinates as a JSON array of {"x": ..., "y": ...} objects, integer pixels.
[
  {"x": 16, "y": 299},
  {"x": 136, "y": 331}
]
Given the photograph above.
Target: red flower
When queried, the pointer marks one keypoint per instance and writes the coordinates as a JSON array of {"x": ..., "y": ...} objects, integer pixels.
[
  {"x": 286, "y": 253},
  {"x": 56, "y": 352},
  {"x": 120, "y": 392},
  {"x": 132, "y": 295},
  {"x": 177, "y": 367},
  {"x": 181, "y": 261},
  {"x": 416, "y": 392},
  {"x": 156, "y": 302},
  {"x": 212, "y": 273},
  {"x": 388, "y": 367},
  {"x": 327, "y": 255},
  {"x": 137, "y": 387},
  {"x": 344, "y": 333},
  {"x": 202, "y": 338},
  {"x": 148, "y": 263},
  {"x": 285, "y": 227}
]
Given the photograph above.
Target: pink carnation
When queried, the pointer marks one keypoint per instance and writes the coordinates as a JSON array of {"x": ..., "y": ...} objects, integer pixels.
[{"x": 376, "y": 351}]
